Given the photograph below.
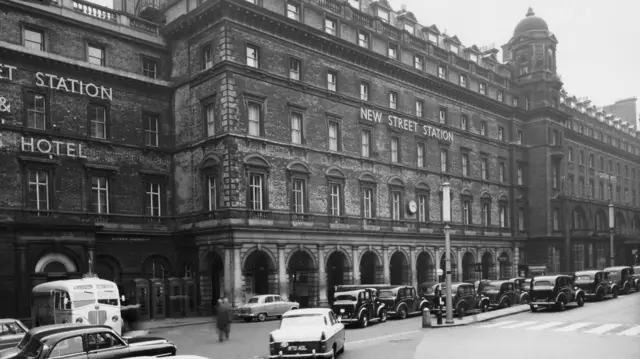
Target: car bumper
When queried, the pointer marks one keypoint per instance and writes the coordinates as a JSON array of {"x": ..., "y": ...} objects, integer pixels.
[
  {"x": 306, "y": 355},
  {"x": 246, "y": 315},
  {"x": 543, "y": 304}
]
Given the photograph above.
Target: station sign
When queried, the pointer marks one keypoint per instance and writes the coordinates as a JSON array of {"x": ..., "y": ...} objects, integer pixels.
[{"x": 405, "y": 124}]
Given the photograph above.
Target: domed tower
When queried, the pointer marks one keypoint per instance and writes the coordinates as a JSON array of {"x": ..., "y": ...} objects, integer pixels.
[{"x": 531, "y": 52}]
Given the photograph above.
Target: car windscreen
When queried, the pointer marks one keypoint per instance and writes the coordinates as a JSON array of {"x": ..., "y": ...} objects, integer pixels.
[
  {"x": 311, "y": 320},
  {"x": 585, "y": 278},
  {"x": 30, "y": 347},
  {"x": 386, "y": 294},
  {"x": 253, "y": 300},
  {"x": 343, "y": 297}
]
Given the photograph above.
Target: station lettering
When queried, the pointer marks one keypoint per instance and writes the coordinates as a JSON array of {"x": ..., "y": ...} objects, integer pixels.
[
  {"x": 6, "y": 72},
  {"x": 406, "y": 124},
  {"x": 608, "y": 177},
  {"x": 57, "y": 148}
]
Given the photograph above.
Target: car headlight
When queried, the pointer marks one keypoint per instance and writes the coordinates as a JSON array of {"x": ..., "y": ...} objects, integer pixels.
[{"x": 342, "y": 310}]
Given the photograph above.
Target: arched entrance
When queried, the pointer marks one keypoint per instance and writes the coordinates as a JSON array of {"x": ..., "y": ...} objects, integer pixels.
[
  {"x": 505, "y": 265},
  {"x": 56, "y": 266},
  {"x": 468, "y": 267},
  {"x": 488, "y": 266},
  {"x": 424, "y": 267},
  {"x": 399, "y": 271},
  {"x": 454, "y": 267},
  {"x": 302, "y": 279},
  {"x": 337, "y": 272},
  {"x": 258, "y": 268},
  {"x": 108, "y": 268},
  {"x": 216, "y": 271},
  {"x": 370, "y": 268}
]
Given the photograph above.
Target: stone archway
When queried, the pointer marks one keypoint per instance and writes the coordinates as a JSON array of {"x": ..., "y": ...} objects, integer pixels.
[
  {"x": 108, "y": 268},
  {"x": 303, "y": 278},
  {"x": 55, "y": 263},
  {"x": 259, "y": 274},
  {"x": 370, "y": 268},
  {"x": 425, "y": 268},
  {"x": 399, "y": 270},
  {"x": 488, "y": 266},
  {"x": 504, "y": 260},
  {"x": 337, "y": 272},
  {"x": 468, "y": 267},
  {"x": 454, "y": 267}
]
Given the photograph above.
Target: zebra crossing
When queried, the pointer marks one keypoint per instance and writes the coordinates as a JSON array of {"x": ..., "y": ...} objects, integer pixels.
[{"x": 603, "y": 329}]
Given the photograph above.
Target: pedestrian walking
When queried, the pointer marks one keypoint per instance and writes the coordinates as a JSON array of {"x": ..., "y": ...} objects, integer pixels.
[{"x": 224, "y": 319}]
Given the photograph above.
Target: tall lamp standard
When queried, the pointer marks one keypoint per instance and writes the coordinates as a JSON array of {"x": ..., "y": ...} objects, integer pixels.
[
  {"x": 446, "y": 218},
  {"x": 611, "y": 235}
]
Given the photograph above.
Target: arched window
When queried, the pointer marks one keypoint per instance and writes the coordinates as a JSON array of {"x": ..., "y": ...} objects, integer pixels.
[{"x": 157, "y": 270}]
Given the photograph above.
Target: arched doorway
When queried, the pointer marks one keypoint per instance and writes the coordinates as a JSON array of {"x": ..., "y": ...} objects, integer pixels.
[
  {"x": 505, "y": 265},
  {"x": 488, "y": 266},
  {"x": 56, "y": 266},
  {"x": 217, "y": 279},
  {"x": 454, "y": 267},
  {"x": 337, "y": 272},
  {"x": 468, "y": 267},
  {"x": 399, "y": 271},
  {"x": 108, "y": 268},
  {"x": 369, "y": 268},
  {"x": 302, "y": 279},
  {"x": 258, "y": 268},
  {"x": 424, "y": 267}
]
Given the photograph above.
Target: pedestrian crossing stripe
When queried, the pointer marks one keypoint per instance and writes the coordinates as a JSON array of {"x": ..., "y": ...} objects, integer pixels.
[{"x": 617, "y": 329}]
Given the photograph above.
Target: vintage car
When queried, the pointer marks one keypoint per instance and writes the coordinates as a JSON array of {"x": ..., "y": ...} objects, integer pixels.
[
  {"x": 522, "y": 285},
  {"x": 596, "y": 284},
  {"x": 11, "y": 332},
  {"x": 432, "y": 293},
  {"x": 554, "y": 291},
  {"x": 262, "y": 306},
  {"x": 308, "y": 333},
  {"x": 359, "y": 306},
  {"x": 501, "y": 293},
  {"x": 402, "y": 301},
  {"x": 636, "y": 277},
  {"x": 79, "y": 341},
  {"x": 622, "y": 276},
  {"x": 464, "y": 297}
]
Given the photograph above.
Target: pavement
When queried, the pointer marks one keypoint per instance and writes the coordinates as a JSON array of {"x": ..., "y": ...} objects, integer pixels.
[{"x": 596, "y": 330}]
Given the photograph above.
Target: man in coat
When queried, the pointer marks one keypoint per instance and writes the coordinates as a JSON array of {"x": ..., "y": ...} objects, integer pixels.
[{"x": 224, "y": 319}]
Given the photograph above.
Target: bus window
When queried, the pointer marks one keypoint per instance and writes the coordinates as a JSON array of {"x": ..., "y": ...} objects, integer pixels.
[
  {"x": 108, "y": 298},
  {"x": 82, "y": 299}
]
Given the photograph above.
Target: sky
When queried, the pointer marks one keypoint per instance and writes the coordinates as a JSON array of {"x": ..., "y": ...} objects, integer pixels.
[{"x": 597, "y": 51}]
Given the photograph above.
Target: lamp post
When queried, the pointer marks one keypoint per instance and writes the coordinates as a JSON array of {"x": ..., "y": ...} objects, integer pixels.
[
  {"x": 446, "y": 218},
  {"x": 611, "y": 235}
]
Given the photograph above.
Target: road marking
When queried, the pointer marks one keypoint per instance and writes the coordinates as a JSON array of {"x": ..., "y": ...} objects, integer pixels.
[
  {"x": 602, "y": 329},
  {"x": 546, "y": 326},
  {"x": 573, "y": 327},
  {"x": 631, "y": 332},
  {"x": 518, "y": 325},
  {"x": 498, "y": 324},
  {"x": 382, "y": 337}
]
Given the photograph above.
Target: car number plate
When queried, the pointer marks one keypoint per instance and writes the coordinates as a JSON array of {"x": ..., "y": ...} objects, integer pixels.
[
  {"x": 345, "y": 317},
  {"x": 293, "y": 348}
]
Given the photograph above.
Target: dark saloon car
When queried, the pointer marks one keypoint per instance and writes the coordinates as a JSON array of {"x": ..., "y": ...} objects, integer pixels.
[
  {"x": 501, "y": 293},
  {"x": 621, "y": 276},
  {"x": 636, "y": 277},
  {"x": 83, "y": 341},
  {"x": 522, "y": 286},
  {"x": 554, "y": 291},
  {"x": 11, "y": 332},
  {"x": 464, "y": 298},
  {"x": 402, "y": 301},
  {"x": 596, "y": 284},
  {"x": 359, "y": 305}
]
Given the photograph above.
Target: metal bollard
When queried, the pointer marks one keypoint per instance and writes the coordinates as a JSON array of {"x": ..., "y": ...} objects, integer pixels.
[
  {"x": 439, "y": 317},
  {"x": 426, "y": 318}
]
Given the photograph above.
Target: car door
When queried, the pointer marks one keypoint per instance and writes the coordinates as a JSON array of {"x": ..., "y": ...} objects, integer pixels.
[
  {"x": 10, "y": 335},
  {"x": 280, "y": 306},
  {"x": 104, "y": 345},
  {"x": 269, "y": 306},
  {"x": 410, "y": 298},
  {"x": 69, "y": 348},
  {"x": 338, "y": 330}
]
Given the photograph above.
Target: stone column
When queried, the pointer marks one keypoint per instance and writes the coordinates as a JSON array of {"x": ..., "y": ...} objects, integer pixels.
[
  {"x": 238, "y": 296},
  {"x": 282, "y": 272},
  {"x": 23, "y": 285},
  {"x": 516, "y": 260},
  {"x": 437, "y": 264},
  {"x": 91, "y": 254},
  {"x": 229, "y": 267},
  {"x": 356, "y": 265},
  {"x": 322, "y": 279},
  {"x": 458, "y": 253},
  {"x": 386, "y": 276},
  {"x": 414, "y": 267}
]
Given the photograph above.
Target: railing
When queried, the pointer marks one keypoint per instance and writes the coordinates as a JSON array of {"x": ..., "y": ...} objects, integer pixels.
[
  {"x": 333, "y": 5},
  {"x": 94, "y": 10},
  {"x": 362, "y": 18},
  {"x": 144, "y": 25},
  {"x": 416, "y": 42},
  {"x": 55, "y": 217},
  {"x": 390, "y": 30}
]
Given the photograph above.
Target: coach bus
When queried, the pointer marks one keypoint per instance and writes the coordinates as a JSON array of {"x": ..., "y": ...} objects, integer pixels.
[{"x": 88, "y": 300}]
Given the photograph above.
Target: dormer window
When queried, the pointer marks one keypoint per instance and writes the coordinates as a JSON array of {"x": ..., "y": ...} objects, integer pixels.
[
  {"x": 383, "y": 14},
  {"x": 432, "y": 37},
  {"x": 409, "y": 28},
  {"x": 573, "y": 104},
  {"x": 561, "y": 99},
  {"x": 582, "y": 109},
  {"x": 454, "y": 48},
  {"x": 473, "y": 57}
]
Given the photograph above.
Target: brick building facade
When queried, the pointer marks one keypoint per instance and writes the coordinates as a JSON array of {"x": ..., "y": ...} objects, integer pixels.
[{"x": 275, "y": 146}]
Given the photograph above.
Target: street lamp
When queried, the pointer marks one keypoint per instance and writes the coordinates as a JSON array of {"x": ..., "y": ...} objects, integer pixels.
[
  {"x": 611, "y": 233},
  {"x": 446, "y": 218}
]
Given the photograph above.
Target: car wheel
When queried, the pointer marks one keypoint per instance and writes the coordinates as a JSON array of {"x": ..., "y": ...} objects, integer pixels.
[
  {"x": 383, "y": 316},
  {"x": 524, "y": 300},
  {"x": 248, "y": 320},
  {"x": 485, "y": 307},
  {"x": 615, "y": 293},
  {"x": 626, "y": 289},
  {"x": 505, "y": 303},
  {"x": 580, "y": 301},
  {"x": 333, "y": 352},
  {"x": 364, "y": 320},
  {"x": 461, "y": 312},
  {"x": 402, "y": 313},
  {"x": 561, "y": 305},
  {"x": 262, "y": 317},
  {"x": 533, "y": 308},
  {"x": 294, "y": 308},
  {"x": 599, "y": 296}
]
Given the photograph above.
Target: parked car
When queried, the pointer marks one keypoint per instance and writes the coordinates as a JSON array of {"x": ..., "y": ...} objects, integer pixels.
[
  {"x": 622, "y": 276},
  {"x": 636, "y": 277},
  {"x": 521, "y": 285},
  {"x": 359, "y": 306},
  {"x": 11, "y": 332},
  {"x": 554, "y": 291},
  {"x": 262, "y": 306},
  {"x": 402, "y": 301},
  {"x": 308, "y": 333},
  {"x": 79, "y": 341},
  {"x": 465, "y": 298},
  {"x": 501, "y": 293},
  {"x": 596, "y": 284}
]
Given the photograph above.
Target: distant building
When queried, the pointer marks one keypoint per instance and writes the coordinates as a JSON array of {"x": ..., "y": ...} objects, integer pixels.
[{"x": 625, "y": 109}]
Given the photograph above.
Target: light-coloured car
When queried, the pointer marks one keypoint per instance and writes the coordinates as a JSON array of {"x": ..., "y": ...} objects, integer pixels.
[
  {"x": 262, "y": 306},
  {"x": 308, "y": 333},
  {"x": 11, "y": 332}
]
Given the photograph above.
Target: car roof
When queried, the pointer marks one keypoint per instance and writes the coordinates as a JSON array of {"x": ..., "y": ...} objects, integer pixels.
[
  {"x": 500, "y": 282},
  {"x": 55, "y": 330},
  {"x": 550, "y": 277},
  {"x": 183, "y": 356},
  {"x": 589, "y": 271},
  {"x": 615, "y": 268},
  {"x": 307, "y": 311},
  {"x": 354, "y": 292},
  {"x": 8, "y": 320}
]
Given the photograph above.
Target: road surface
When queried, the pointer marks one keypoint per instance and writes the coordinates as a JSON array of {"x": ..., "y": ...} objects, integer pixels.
[{"x": 597, "y": 330}]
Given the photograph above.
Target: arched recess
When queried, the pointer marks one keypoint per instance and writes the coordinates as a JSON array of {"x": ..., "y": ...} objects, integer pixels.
[
  {"x": 107, "y": 267},
  {"x": 338, "y": 266},
  {"x": 488, "y": 265},
  {"x": 506, "y": 265},
  {"x": 259, "y": 271},
  {"x": 211, "y": 182},
  {"x": 212, "y": 274},
  {"x": 367, "y": 177},
  {"x": 399, "y": 269},
  {"x": 211, "y": 161},
  {"x": 578, "y": 218},
  {"x": 370, "y": 268},
  {"x": 468, "y": 266},
  {"x": 601, "y": 220},
  {"x": 454, "y": 266},
  {"x": 423, "y": 186},
  {"x": 425, "y": 267},
  {"x": 395, "y": 181},
  {"x": 256, "y": 160},
  {"x": 298, "y": 167},
  {"x": 335, "y": 172},
  {"x": 55, "y": 263},
  {"x": 303, "y": 276},
  {"x": 620, "y": 221},
  {"x": 635, "y": 223},
  {"x": 157, "y": 266}
]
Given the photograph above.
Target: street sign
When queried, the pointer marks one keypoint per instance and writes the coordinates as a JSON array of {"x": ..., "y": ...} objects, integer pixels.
[{"x": 439, "y": 271}]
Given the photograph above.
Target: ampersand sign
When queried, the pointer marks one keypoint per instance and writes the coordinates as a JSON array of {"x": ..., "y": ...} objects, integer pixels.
[{"x": 4, "y": 106}]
